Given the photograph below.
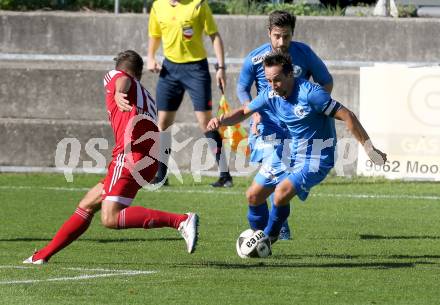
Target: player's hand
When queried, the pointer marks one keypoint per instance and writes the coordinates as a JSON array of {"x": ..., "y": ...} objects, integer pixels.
[
  {"x": 256, "y": 119},
  {"x": 213, "y": 124},
  {"x": 375, "y": 155},
  {"x": 220, "y": 76},
  {"x": 378, "y": 157},
  {"x": 122, "y": 103},
  {"x": 153, "y": 66}
]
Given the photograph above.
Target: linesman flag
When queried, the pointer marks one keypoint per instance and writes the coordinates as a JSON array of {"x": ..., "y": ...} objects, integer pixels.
[{"x": 235, "y": 137}]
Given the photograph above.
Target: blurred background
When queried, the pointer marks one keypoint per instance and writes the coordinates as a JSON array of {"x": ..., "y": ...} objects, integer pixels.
[{"x": 54, "y": 54}]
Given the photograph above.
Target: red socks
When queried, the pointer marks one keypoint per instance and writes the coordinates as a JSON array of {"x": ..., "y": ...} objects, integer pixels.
[
  {"x": 140, "y": 217},
  {"x": 131, "y": 217},
  {"x": 73, "y": 228}
]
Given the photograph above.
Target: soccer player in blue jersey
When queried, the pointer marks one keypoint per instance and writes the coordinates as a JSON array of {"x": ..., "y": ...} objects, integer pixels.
[
  {"x": 266, "y": 130},
  {"x": 308, "y": 112}
]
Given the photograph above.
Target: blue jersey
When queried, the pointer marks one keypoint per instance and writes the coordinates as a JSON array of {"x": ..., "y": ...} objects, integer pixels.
[
  {"x": 306, "y": 64},
  {"x": 308, "y": 116}
]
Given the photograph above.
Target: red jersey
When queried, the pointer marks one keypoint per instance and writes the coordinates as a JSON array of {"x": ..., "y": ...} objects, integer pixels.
[{"x": 136, "y": 123}]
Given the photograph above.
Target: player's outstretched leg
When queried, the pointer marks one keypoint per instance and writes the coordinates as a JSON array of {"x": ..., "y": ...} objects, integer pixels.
[
  {"x": 118, "y": 216},
  {"x": 72, "y": 229}
]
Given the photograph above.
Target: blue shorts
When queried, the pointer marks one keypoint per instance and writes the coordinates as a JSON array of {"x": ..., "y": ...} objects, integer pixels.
[
  {"x": 272, "y": 172},
  {"x": 175, "y": 79}
]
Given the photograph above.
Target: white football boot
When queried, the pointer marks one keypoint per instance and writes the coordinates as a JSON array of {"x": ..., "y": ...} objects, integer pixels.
[
  {"x": 189, "y": 231},
  {"x": 30, "y": 260}
]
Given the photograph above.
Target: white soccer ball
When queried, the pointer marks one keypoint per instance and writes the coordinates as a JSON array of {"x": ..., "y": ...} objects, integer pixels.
[{"x": 252, "y": 243}]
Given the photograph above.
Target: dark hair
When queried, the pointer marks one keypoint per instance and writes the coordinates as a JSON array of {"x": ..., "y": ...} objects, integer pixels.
[
  {"x": 129, "y": 60},
  {"x": 279, "y": 59},
  {"x": 281, "y": 19}
]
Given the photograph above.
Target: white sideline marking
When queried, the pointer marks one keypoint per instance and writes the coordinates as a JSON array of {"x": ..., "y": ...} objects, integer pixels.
[
  {"x": 217, "y": 191},
  {"x": 76, "y": 278},
  {"x": 47, "y": 188},
  {"x": 15, "y": 267}
]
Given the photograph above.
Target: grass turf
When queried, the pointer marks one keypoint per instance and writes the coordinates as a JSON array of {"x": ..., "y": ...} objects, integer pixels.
[{"x": 356, "y": 241}]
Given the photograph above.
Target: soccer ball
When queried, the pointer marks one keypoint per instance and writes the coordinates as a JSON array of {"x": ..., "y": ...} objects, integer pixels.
[{"x": 252, "y": 243}]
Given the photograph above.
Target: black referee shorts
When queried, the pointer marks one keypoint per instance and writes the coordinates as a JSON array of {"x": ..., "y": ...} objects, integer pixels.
[{"x": 176, "y": 78}]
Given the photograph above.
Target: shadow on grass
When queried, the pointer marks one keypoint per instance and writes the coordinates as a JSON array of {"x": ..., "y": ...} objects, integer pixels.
[
  {"x": 272, "y": 265},
  {"x": 97, "y": 240},
  {"x": 366, "y": 256},
  {"x": 370, "y": 236},
  {"x": 258, "y": 264}
]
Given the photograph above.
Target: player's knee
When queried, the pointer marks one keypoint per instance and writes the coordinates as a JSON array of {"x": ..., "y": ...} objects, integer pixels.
[
  {"x": 252, "y": 197},
  {"x": 203, "y": 126},
  {"x": 279, "y": 198},
  {"x": 203, "y": 118},
  {"x": 91, "y": 202},
  {"x": 165, "y": 121},
  {"x": 109, "y": 221},
  {"x": 90, "y": 211},
  {"x": 283, "y": 194},
  {"x": 163, "y": 125},
  {"x": 89, "y": 206}
]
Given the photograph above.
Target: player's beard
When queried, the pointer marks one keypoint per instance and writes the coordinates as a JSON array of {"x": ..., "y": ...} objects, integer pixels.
[
  {"x": 281, "y": 92},
  {"x": 282, "y": 49}
]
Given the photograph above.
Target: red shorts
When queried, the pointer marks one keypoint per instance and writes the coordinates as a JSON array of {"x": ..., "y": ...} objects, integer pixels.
[{"x": 125, "y": 176}]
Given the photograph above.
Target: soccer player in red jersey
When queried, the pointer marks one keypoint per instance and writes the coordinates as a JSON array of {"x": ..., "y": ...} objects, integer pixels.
[{"x": 134, "y": 164}]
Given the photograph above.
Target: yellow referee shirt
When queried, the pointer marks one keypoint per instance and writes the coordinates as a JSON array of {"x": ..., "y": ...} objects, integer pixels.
[{"x": 181, "y": 28}]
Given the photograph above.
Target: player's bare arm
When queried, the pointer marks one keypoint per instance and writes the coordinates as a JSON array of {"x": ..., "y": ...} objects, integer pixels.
[
  {"x": 122, "y": 102},
  {"x": 153, "y": 46},
  {"x": 121, "y": 99},
  {"x": 217, "y": 44},
  {"x": 235, "y": 117},
  {"x": 358, "y": 131},
  {"x": 122, "y": 86}
]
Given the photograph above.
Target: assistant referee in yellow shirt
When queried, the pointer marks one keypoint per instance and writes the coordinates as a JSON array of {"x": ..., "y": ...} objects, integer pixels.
[{"x": 180, "y": 26}]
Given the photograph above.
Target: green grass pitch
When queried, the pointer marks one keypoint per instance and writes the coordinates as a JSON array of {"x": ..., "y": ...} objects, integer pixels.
[{"x": 356, "y": 241}]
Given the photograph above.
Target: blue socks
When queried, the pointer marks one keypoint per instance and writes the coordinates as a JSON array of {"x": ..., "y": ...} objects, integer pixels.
[
  {"x": 258, "y": 216},
  {"x": 260, "y": 219},
  {"x": 277, "y": 217},
  {"x": 272, "y": 204}
]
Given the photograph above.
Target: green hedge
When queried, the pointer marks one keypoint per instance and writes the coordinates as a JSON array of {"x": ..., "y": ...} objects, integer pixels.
[
  {"x": 107, "y": 5},
  {"x": 243, "y": 7}
]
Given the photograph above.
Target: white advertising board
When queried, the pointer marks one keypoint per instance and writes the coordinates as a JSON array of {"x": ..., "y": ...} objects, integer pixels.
[{"x": 400, "y": 109}]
